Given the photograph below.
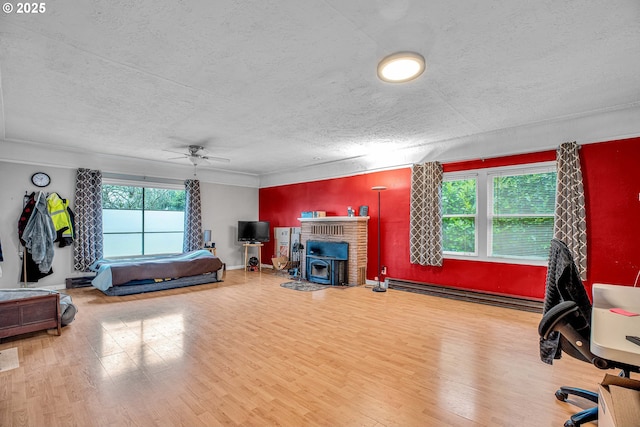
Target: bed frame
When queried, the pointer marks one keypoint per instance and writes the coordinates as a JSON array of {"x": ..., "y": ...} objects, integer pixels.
[
  {"x": 23, "y": 315},
  {"x": 139, "y": 275},
  {"x": 182, "y": 282}
]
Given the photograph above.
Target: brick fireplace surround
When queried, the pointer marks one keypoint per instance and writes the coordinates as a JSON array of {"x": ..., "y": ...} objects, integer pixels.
[{"x": 350, "y": 229}]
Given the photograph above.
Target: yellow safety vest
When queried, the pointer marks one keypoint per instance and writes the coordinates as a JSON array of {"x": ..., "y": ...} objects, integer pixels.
[{"x": 57, "y": 208}]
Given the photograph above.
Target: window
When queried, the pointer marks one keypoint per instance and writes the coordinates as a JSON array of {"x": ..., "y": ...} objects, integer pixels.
[
  {"x": 459, "y": 216},
  {"x": 142, "y": 221},
  {"x": 521, "y": 217},
  {"x": 501, "y": 214}
]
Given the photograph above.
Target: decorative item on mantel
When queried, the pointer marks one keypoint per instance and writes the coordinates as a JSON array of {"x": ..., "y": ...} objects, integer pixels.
[
  {"x": 313, "y": 214},
  {"x": 364, "y": 211},
  {"x": 350, "y": 211}
]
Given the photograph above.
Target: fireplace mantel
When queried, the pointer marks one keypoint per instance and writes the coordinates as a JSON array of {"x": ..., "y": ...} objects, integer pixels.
[
  {"x": 334, "y": 218},
  {"x": 350, "y": 229}
]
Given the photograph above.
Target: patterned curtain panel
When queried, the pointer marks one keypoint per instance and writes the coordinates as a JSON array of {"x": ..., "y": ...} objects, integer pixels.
[
  {"x": 570, "y": 224},
  {"x": 88, "y": 219},
  {"x": 426, "y": 214},
  {"x": 192, "y": 216}
]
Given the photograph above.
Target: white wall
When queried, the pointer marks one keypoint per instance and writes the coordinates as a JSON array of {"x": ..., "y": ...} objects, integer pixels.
[
  {"x": 222, "y": 207},
  {"x": 15, "y": 180}
]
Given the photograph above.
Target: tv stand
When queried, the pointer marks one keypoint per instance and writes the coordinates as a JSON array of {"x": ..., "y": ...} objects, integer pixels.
[{"x": 246, "y": 254}]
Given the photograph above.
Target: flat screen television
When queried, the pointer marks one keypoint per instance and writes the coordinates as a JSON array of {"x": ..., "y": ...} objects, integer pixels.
[{"x": 253, "y": 231}]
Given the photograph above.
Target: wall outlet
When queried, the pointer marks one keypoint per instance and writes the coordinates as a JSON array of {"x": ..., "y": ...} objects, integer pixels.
[{"x": 384, "y": 270}]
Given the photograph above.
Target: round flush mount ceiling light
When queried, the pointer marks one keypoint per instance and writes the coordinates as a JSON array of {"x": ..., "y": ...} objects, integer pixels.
[{"x": 401, "y": 67}]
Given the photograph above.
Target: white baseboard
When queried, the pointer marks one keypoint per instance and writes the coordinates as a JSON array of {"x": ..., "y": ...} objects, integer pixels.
[{"x": 52, "y": 287}]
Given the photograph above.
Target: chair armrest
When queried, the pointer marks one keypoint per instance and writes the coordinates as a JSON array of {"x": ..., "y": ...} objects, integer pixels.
[
  {"x": 551, "y": 319},
  {"x": 559, "y": 319}
]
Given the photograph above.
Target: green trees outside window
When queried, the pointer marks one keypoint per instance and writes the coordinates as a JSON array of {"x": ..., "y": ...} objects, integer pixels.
[
  {"x": 459, "y": 211},
  {"x": 129, "y": 197},
  {"x": 501, "y": 213},
  {"x": 522, "y": 215}
]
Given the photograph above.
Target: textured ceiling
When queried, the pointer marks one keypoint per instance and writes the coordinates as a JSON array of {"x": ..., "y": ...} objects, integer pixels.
[{"x": 292, "y": 84}]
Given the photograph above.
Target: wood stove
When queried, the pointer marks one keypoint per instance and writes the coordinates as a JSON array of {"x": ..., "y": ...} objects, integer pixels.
[{"x": 327, "y": 262}]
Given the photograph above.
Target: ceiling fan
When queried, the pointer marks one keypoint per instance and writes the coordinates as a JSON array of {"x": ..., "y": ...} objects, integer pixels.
[{"x": 197, "y": 156}]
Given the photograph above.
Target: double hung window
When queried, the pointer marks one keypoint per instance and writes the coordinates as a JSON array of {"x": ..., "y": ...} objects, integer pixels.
[
  {"x": 521, "y": 214},
  {"x": 502, "y": 214},
  {"x": 459, "y": 216}
]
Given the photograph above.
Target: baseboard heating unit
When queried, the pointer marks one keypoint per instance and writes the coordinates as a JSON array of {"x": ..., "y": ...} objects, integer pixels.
[{"x": 461, "y": 294}]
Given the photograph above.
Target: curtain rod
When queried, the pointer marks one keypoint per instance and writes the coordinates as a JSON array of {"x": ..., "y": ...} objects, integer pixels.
[{"x": 137, "y": 178}]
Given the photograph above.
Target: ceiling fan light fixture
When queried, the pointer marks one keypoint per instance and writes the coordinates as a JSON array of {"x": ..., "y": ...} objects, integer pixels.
[
  {"x": 401, "y": 67},
  {"x": 193, "y": 149},
  {"x": 194, "y": 160}
]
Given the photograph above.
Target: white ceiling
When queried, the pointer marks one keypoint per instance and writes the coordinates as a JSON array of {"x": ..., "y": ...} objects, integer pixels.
[{"x": 288, "y": 88}]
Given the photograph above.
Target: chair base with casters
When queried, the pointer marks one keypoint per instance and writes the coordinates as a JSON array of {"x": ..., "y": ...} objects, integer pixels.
[
  {"x": 562, "y": 319},
  {"x": 582, "y": 417}
]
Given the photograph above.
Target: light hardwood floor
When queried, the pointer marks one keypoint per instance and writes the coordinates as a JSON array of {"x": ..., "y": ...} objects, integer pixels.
[{"x": 247, "y": 352}]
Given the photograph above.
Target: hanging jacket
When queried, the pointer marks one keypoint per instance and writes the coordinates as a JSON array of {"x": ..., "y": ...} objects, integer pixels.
[
  {"x": 39, "y": 234},
  {"x": 59, "y": 212},
  {"x": 33, "y": 273},
  {"x": 32, "y": 270},
  {"x": 29, "y": 205},
  {"x": 563, "y": 284}
]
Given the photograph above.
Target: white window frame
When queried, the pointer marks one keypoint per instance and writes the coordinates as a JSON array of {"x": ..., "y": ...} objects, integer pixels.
[
  {"x": 484, "y": 197},
  {"x": 459, "y": 176}
]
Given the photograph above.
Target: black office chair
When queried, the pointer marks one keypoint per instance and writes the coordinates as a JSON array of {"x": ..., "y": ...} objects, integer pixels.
[{"x": 566, "y": 327}]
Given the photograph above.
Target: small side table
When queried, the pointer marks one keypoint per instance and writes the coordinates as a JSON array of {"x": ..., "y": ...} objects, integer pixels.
[
  {"x": 212, "y": 250},
  {"x": 246, "y": 254}
]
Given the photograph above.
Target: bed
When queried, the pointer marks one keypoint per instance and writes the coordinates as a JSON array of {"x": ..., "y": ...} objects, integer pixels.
[
  {"x": 27, "y": 310},
  {"x": 132, "y": 276}
]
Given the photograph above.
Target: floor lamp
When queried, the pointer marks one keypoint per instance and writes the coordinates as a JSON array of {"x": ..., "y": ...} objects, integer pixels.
[{"x": 378, "y": 288}]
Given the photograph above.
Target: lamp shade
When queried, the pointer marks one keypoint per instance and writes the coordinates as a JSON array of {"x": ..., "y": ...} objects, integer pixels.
[{"x": 207, "y": 236}]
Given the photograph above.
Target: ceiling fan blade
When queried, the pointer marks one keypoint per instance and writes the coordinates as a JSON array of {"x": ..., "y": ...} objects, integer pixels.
[
  {"x": 196, "y": 153},
  {"x": 216, "y": 159},
  {"x": 175, "y": 152}
]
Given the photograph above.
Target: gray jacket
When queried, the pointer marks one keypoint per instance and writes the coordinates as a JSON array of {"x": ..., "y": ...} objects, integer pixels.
[{"x": 39, "y": 234}]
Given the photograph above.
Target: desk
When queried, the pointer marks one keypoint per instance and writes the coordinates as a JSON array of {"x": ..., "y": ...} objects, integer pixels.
[
  {"x": 246, "y": 254},
  {"x": 608, "y": 330}
]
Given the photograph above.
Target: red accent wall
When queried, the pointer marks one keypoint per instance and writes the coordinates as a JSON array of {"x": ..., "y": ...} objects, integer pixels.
[
  {"x": 611, "y": 173},
  {"x": 612, "y": 184}
]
